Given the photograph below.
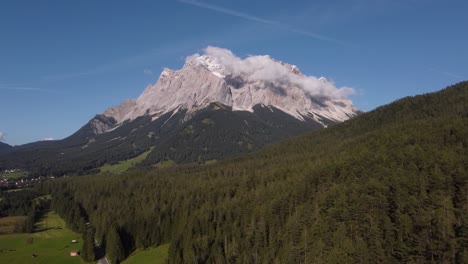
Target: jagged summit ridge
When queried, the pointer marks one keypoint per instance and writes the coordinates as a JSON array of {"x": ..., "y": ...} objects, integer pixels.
[{"x": 219, "y": 76}]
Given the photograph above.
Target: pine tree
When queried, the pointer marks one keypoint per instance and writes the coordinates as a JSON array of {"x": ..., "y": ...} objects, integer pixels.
[
  {"x": 87, "y": 252},
  {"x": 114, "y": 248}
]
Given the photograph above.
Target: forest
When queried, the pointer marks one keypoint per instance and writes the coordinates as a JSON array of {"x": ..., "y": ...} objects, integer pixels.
[{"x": 388, "y": 186}]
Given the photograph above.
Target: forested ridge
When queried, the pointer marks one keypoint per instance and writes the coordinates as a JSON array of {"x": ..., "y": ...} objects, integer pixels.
[
  {"x": 389, "y": 186},
  {"x": 216, "y": 132}
]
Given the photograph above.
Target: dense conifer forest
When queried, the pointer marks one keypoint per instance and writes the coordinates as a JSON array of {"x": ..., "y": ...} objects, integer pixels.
[{"x": 389, "y": 186}]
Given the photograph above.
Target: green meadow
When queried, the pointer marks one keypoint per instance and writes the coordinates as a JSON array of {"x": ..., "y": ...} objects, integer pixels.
[
  {"x": 156, "y": 255},
  {"x": 123, "y": 166},
  {"x": 14, "y": 175},
  {"x": 50, "y": 243}
]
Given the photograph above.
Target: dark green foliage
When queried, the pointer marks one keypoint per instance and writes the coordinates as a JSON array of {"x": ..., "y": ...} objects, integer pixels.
[
  {"x": 71, "y": 211},
  {"x": 115, "y": 251},
  {"x": 389, "y": 186},
  {"x": 87, "y": 252},
  {"x": 219, "y": 133},
  {"x": 17, "y": 203}
]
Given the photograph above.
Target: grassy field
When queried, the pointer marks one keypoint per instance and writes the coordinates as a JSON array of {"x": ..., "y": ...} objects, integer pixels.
[
  {"x": 156, "y": 255},
  {"x": 14, "y": 175},
  {"x": 122, "y": 166},
  {"x": 51, "y": 243},
  {"x": 209, "y": 162},
  {"x": 165, "y": 164},
  {"x": 7, "y": 224}
]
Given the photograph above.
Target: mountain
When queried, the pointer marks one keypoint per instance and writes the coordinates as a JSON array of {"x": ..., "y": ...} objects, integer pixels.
[
  {"x": 4, "y": 146},
  {"x": 388, "y": 186},
  {"x": 216, "y": 106},
  {"x": 203, "y": 80}
]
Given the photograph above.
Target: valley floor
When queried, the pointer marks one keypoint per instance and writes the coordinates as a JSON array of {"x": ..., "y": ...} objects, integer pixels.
[{"x": 50, "y": 243}]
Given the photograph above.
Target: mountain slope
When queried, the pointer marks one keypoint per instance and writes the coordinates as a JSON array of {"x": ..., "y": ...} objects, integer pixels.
[
  {"x": 4, "y": 146},
  {"x": 212, "y": 133},
  {"x": 389, "y": 186},
  {"x": 222, "y": 133}
]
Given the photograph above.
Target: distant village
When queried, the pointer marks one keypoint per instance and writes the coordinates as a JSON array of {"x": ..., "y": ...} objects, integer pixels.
[{"x": 7, "y": 182}]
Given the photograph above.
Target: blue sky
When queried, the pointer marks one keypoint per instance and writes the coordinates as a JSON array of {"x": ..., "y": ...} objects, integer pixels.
[{"x": 62, "y": 62}]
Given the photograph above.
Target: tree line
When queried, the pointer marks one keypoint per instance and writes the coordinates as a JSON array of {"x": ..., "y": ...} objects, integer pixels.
[{"x": 26, "y": 202}]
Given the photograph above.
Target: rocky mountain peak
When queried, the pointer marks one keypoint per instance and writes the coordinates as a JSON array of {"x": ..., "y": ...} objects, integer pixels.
[{"x": 218, "y": 76}]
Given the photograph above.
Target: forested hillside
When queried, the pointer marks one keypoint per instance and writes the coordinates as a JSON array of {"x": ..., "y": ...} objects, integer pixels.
[
  {"x": 213, "y": 133},
  {"x": 388, "y": 186}
]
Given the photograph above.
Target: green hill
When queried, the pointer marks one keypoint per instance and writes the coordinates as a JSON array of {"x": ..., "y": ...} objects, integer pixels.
[{"x": 389, "y": 186}]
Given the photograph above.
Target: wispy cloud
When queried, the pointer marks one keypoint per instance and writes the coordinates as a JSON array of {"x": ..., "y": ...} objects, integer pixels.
[
  {"x": 20, "y": 88},
  {"x": 448, "y": 74},
  {"x": 230, "y": 12},
  {"x": 47, "y": 139},
  {"x": 268, "y": 22},
  {"x": 13, "y": 87},
  {"x": 147, "y": 72},
  {"x": 2, "y": 135}
]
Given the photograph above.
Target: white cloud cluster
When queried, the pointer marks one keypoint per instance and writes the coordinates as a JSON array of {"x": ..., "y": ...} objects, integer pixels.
[
  {"x": 47, "y": 139},
  {"x": 264, "y": 68},
  {"x": 2, "y": 135}
]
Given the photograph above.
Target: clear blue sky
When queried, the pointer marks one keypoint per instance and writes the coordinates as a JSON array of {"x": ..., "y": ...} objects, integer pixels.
[{"x": 62, "y": 62}]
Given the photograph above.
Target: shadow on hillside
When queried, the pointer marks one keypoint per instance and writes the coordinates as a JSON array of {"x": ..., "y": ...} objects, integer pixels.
[
  {"x": 99, "y": 251},
  {"x": 40, "y": 216}
]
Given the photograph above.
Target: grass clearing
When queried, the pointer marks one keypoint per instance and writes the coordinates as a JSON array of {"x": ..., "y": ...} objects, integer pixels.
[
  {"x": 165, "y": 164},
  {"x": 157, "y": 255},
  {"x": 209, "y": 162},
  {"x": 14, "y": 175},
  {"x": 123, "y": 166},
  {"x": 7, "y": 224},
  {"x": 51, "y": 243}
]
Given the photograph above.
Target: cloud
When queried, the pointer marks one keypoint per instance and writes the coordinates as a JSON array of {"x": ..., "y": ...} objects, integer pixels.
[
  {"x": 147, "y": 72},
  {"x": 47, "y": 139},
  {"x": 21, "y": 88},
  {"x": 446, "y": 73},
  {"x": 256, "y": 19},
  {"x": 2, "y": 135},
  {"x": 264, "y": 68}
]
